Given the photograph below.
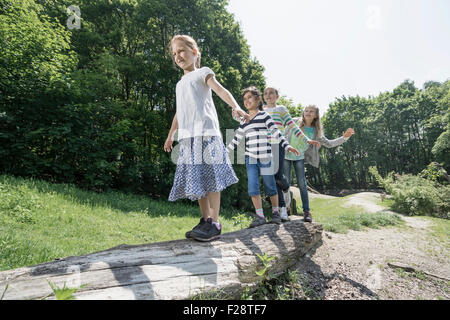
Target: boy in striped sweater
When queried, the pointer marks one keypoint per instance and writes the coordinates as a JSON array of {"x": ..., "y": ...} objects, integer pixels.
[{"x": 258, "y": 154}]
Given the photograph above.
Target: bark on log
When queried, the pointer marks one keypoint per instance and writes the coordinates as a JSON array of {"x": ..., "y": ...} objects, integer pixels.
[{"x": 176, "y": 269}]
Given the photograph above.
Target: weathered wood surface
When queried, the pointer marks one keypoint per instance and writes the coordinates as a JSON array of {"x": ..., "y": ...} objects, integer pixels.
[{"x": 176, "y": 269}]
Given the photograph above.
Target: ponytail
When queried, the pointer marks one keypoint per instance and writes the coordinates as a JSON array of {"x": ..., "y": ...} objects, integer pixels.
[
  {"x": 199, "y": 57},
  {"x": 260, "y": 106}
]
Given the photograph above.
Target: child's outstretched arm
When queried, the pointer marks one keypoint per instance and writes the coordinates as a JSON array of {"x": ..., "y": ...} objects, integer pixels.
[
  {"x": 313, "y": 142},
  {"x": 236, "y": 116},
  {"x": 293, "y": 150},
  {"x": 336, "y": 142},
  {"x": 348, "y": 133},
  {"x": 240, "y": 133},
  {"x": 277, "y": 133},
  {"x": 226, "y": 96},
  {"x": 169, "y": 140}
]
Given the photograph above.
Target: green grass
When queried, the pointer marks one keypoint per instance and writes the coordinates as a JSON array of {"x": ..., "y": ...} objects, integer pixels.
[
  {"x": 438, "y": 231},
  {"x": 41, "y": 221},
  {"x": 335, "y": 217}
]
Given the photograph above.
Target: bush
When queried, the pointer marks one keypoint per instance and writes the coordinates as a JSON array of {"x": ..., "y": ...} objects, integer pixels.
[
  {"x": 436, "y": 173},
  {"x": 18, "y": 203},
  {"x": 414, "y": 195}
]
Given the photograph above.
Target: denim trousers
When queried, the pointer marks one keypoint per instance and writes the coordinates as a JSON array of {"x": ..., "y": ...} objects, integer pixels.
[
  {"x": 255, "y": 168},
  {"x": 299, "y": 166}
]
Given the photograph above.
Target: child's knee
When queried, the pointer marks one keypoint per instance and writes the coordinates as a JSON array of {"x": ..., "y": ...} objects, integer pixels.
[
  {"x": 271, "y": 193},
  {"x": 302, "y": 186},
  {"x": 253, "y": 192},
  {"x": 270, "y": 186}
]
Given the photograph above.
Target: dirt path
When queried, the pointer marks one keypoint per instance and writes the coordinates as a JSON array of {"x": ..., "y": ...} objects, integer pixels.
[{"x": 361, "y": 264}]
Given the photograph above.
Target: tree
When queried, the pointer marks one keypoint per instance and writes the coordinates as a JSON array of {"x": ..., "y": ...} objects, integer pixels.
[
  {"x": 441, "y": 147},
  {"x": 115, "y": 97},
  {"x": 401, "y": 131},
  {"x": 35, "y": 66},
  {"x": 294, "y": 110}
]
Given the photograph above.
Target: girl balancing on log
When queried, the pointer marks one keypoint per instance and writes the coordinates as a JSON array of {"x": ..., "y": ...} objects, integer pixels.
[
  {"x": 203, "y": 167},
  {"x": 312, "y": 127},
  {"x": 258, "y": 154}
]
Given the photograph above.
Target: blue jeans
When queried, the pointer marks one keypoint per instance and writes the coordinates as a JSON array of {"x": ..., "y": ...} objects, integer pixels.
[
  {"x": 255, "y": 167},
  {"x": 299, "y": 166}
]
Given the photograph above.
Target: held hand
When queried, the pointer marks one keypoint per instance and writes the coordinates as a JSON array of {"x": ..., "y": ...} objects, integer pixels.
[
  {"x": 168, "y": 145},
  {"x": 294, "y": 151},
  {"x": 348, "y": 133},
  {"x": 314, "y": 142},
  {"x": 243, "y": 114}
]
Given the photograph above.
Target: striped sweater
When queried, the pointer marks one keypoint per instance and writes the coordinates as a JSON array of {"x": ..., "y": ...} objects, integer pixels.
[
  {"x": 284, "y": 123},
  {"x": 257, "y": 144}
]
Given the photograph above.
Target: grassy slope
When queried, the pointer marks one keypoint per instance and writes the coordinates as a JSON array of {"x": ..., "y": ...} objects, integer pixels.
[
  {"x": 336, "y": 217},
  {"x": 41, "y": 221}
]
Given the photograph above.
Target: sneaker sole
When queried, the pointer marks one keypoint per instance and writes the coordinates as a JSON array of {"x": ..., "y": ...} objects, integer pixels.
[
  {"x": 188, "y": 234},
  {"x": 258, "y": 223},
  {"x": 254, "y": 226},
  {"x": 206, "y": 239}
]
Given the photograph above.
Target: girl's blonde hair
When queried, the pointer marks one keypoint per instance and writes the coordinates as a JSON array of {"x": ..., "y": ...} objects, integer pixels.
[
  {"x": 316, "y": 124},
  {"x": 190, "y": 42}
]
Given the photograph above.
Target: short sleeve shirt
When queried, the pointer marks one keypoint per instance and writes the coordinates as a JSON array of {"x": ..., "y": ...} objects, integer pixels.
[{"x": 196, "y": 113}]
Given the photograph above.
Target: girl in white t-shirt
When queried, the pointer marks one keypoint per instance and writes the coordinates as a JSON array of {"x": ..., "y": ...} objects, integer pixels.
[{"x": 203, "y": 167}]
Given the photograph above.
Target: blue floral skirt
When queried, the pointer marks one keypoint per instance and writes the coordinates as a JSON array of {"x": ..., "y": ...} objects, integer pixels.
[{"x": 203, "y": 166}]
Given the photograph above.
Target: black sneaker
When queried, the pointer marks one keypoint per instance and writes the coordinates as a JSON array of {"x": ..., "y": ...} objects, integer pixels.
[
  {"x": 276, "y": 218},
  {"x": 188, "y": 234},
  {"x": 307, "y": 216},
  {"x": 206, "y": 232},
  {"x": 282, "y": 183},
  {"x": 257, "y": 221}
]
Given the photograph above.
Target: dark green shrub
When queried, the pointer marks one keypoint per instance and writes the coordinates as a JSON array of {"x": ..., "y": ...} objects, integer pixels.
[
  {"x": 414, "y": 195},
  {"x": 436, "y": 173}
]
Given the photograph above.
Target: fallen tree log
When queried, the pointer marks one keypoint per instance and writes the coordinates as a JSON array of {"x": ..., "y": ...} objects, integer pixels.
[{"x": 177, "y": 269}]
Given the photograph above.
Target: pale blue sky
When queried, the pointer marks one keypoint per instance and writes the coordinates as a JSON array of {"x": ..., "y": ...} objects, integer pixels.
[{"x": 316, "y": 50}]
